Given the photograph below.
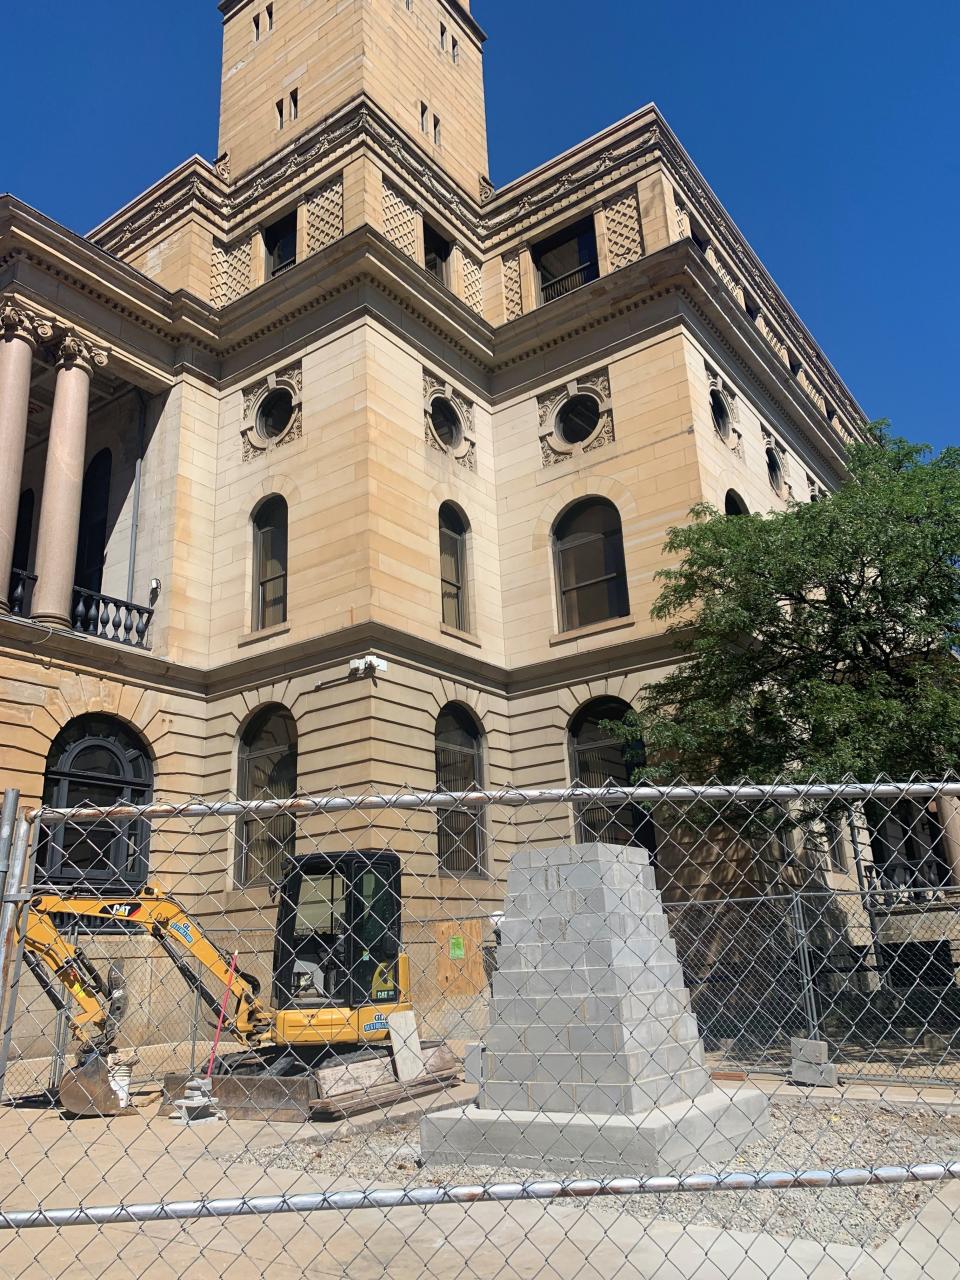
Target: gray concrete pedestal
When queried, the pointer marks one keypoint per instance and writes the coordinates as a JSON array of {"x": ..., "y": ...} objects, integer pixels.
[{"x": 593, "y": 1060}]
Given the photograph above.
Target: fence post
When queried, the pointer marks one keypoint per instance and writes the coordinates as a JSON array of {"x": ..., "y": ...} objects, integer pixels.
[
  {"x": 810, "y": 1002},
  {"x": 13, "y": 900},
  {"x": 8, "y": 821}
]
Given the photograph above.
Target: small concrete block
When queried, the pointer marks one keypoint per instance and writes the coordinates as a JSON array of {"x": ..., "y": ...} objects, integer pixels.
[
  {"x": 815, "y": 1051},
  {"x": 473, "y": 1064},
  {"x": 809, "y": 1073},
  {"x": 405, "y": 1044}
]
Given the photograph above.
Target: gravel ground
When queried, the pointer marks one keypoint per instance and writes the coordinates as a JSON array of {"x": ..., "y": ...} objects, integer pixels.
[{"x": 803, "y": 1135}]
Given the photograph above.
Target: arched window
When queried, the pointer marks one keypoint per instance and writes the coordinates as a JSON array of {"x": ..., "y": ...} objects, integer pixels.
[
  {"x": 453, "y": 567},
  {"x": 267, "y": 770},
  {"x": 599, "y": 759},
  {"x": 94, "y": 511},
  {"x": 734, "y": 505},
  {"x": 270, "y": 563},
  {"x": 591, "y": 572},
  {"x": 459, "y": 751},
  {"x": 96, "y": 760}
]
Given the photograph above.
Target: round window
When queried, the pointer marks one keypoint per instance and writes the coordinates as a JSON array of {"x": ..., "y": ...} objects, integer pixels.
[
  {"x": 774, "y": 469},
  {"x": 721, "y": 414},
  {"x": 578, "y": 419},
  {"x": 446, "y": 422},
  {"x": 274, "y": 415}
]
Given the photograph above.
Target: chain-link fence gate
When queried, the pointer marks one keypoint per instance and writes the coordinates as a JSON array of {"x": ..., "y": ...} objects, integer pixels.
[{"x": 663, "y": 1031}]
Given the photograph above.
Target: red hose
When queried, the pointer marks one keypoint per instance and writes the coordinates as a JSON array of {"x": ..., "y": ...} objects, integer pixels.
[{"x": 223, "y": 1014}]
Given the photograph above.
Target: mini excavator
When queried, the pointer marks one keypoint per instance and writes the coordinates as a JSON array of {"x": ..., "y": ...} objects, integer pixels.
[{"x": 320, "y": 1049}]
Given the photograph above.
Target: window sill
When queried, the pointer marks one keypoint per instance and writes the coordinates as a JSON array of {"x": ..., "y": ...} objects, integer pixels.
[
  {"x": 268, "y": 633},
  {"x": 595, "y": 629},
  {"x": 456, "y": 634}
]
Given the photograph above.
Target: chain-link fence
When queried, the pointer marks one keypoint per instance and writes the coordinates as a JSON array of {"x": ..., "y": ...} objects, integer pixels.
[{"x": 663, "y": 1031}]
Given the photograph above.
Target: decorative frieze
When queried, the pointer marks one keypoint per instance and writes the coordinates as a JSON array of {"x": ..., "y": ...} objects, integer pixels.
[
  {"x": 624, "y": 233},
  {"x": 324, "y": 214},
  {"x": 399, "y": 220},
  {"x": 272, "y": 412},
  {"x": 231, "y": 272},
  {"x": 594, "y": 424}
]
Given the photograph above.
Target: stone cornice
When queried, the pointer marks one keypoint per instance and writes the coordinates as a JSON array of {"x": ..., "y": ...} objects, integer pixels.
[
  {"x": 22, "y": 640},
  {"x": 193, "y": 188}
]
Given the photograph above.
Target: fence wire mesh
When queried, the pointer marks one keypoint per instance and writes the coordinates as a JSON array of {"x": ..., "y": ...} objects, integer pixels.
[{"x": 661, "y": 1031}]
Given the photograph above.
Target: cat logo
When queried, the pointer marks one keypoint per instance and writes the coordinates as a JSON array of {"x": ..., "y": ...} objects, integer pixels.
[{"x": 120, "y": 910}]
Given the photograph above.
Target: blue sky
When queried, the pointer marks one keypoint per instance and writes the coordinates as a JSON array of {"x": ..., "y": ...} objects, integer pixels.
[{"x": 827, "y": 129}]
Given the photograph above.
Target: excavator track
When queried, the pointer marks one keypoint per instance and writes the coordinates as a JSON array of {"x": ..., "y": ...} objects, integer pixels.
[{"x": 281, "y": 1086}]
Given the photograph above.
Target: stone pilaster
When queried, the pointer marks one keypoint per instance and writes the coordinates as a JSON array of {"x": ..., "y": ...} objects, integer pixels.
[
  {"x": 20, "y": 332},
  {"x": 63, "y": 481}
]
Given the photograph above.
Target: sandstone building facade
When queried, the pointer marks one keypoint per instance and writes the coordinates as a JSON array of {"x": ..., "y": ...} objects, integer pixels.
[{"x": 334, "y": 396}]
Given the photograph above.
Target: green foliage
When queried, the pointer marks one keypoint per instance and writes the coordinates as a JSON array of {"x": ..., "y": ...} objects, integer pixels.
[{"x": 819, "y": 640}]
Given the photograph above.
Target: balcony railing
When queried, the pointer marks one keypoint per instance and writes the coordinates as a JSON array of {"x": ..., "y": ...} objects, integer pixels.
[
  {"x": 21, "y": 592},
  {"x": 907, "y": 884},
  {"x": 121, "y": 621},
  {"x": 552, "y": 289}
]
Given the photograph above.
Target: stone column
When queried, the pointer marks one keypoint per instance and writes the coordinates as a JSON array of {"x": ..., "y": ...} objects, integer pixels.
[
  {"x": 20, "y": 331},
  {"x": 63, "y": 482}
]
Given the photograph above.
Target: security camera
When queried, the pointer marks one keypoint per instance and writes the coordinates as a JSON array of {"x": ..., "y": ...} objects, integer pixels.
[{"x": 368, "y": 666}]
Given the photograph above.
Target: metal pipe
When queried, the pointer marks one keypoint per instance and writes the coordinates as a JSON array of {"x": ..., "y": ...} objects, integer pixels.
[
  {"x": 425, "y": 1197},
  {"x": 8, "y": 822},
  {"x": 304, "y": 806},
  {"x": 137, "y": 482},
  {"x": 17, "y": 895}
]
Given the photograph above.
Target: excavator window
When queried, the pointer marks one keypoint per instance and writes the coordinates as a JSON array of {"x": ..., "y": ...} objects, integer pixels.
[{"x": 338, "y": 931}]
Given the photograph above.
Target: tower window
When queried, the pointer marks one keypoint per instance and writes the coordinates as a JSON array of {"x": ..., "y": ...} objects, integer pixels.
[
  {"x": 424, "y": 117},
  {"x": 280, "y": 242},
  {"x": 443, "y": 36},
  {"x": 256, "y": 28},
  {"x": 453, "y": 567},
  {"x": 269, "y": 17},
  {"x": 294, "y": 105},
  {"x": 436, "y": 253},
  {"x": 280, "y": 116},
  {"x": 455, "y": 49},
  {"x": 567, "y": 260},
  {"x": 436, "y": 130}
]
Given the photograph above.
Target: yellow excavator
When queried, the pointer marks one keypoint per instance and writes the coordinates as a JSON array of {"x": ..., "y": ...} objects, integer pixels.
[{"x": 320, "y": 1048}]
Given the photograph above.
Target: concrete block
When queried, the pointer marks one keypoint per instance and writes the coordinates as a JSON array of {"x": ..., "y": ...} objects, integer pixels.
[
  {"x": 809, "y": 1073},
  {"x": 473, "y": 1064},
  {"x": 814, "y": 1051}
]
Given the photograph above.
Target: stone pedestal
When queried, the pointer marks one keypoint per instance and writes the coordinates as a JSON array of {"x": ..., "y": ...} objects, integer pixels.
[{"x": 594, "y": 1061}]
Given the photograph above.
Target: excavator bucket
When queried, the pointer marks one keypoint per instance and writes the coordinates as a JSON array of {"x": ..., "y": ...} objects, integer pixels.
[{"x": 87, "y": 1090}]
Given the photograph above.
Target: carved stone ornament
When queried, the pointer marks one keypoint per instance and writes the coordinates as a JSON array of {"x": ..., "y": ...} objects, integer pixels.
[
  {"x": 255, "y": 443},
  {"x": 553, "y": 447},
  {"x": 79, "y": 353},
  {"x": 464, "y": 450},
  {"x": 18, "y": 322},
  {"x": 734, "y": 436}
]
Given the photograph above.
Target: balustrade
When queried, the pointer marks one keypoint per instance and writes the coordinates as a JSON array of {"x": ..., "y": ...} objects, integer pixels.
[
  {"x": 552, "y": 289},
  {"x": 21, "y": 592},
  {"x": 121, "y": 621}
]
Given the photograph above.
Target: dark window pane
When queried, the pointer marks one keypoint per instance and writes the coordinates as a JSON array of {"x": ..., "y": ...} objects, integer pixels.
[
  {"x": 270, "y": 564},
  {"x": 268, "y": 771},
  {"x": 460, "y": 832}
]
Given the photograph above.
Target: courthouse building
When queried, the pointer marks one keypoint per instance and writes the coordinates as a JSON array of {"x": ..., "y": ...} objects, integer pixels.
[{"x": 333, "y": 396}]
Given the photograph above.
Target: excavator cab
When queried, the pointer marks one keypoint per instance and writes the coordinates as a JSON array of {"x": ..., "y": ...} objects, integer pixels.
[{"x": 338, "y": 932}]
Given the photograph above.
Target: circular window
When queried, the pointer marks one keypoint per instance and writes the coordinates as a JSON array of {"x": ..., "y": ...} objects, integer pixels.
[
  {"x": 774, "y": 469},
  {"x": 445, "y": 422},
  {"x": 274, "y": 415},
  {"x": 721, "y": 414},
  {"x": 578, "y": 419}
]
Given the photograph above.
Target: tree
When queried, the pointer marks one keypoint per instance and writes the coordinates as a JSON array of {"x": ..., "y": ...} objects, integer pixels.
[{"x": 817, "y": 640}]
